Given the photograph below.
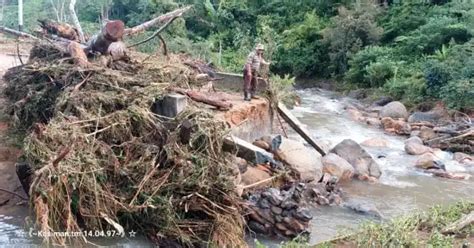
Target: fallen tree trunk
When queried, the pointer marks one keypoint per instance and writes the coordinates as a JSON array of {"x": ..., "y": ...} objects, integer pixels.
[
  {"x": 62, "y": 30},
  {"x": 158, "y": 20},
  {"x": 112, "y": 32},
  {"x": 460, "y": 224},
  {"x": 200, "y": 97},
  {"x": 17, "y": 33}
]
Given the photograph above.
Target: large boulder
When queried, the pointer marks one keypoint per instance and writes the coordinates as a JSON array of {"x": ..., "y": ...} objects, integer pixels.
[
  {"x": 364, "y": 165},
  {"x": 429, "y": 161},
  {"x": 254, "y": 175},
  {"x": 414, "y": 146},
  {"x": 305, "y": 161},
  {"x": 337, "y": 166},
  {"x": 394, "y": 110}
]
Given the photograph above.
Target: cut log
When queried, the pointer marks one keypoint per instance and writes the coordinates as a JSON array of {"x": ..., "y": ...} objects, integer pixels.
[
  {"x": 17, "y": 33},
  {"x": 201, "y": 97},
  {"x": 156, "y": 21},
  {"x": 78, "y": 54},
  {"x": 62, "y": 30},
  {"x": 298, "y": 127},
  {"x": 110, "y": 33}
]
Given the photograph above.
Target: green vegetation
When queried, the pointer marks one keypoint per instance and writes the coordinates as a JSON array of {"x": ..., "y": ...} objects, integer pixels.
[
  {"x": 412, "y": 50},
  {"x": 417, "y": 230}
]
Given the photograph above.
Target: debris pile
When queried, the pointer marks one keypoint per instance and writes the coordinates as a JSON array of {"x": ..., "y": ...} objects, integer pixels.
[
  {"x": 103, "y": 160},
  {"x": 285, "y": 212}
]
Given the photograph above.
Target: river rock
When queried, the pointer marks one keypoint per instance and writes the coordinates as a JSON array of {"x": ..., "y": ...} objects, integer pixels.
[
  {"x": 464, "y": 158},
  {"x": 382, "y": 101},
  {"x": 394, "y": 110},
  {"x": 396, "y": 126},
  {"x": 262, "y": 144},
  {"x": 427, "y": 133},
  {"x": 434, "y": 116},
  {"x": 375, "y": 142},
  {"x": 337, "y": 166},
  {"x": 360, "y": 160},
  {"x": 428, "y": 161},
  {"x": 306, "y": 162},
  {"x": 363, "y": 207},
  {"x": 254, "y": 175},
  {"x": 414, "y": 146}
]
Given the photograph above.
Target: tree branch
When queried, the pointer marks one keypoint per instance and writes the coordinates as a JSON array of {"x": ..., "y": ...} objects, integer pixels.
[
  {"x": 17, "y": 33},
  {"x": 160, "y": 19},
  {"x": 155, "y": 34}
]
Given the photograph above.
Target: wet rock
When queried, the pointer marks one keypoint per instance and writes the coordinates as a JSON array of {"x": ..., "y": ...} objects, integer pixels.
[
  {"x": 355, "y": 114},
  {"x": 337, "y": 166},
  {"x": 241, "y": 164},
  {"x": 289, "y": 204},
  {"x": 382, "y": 101},
  {"x": 303, "y": 214},
  {"x": 263, "y": 203},
  {"x": 257, "y": 227},
  {"x": 394, "y": 110},
  {"x": 373, "y": 121},
  {"x": 363, "y": 207},
  {"x": 464, "y": 159},
  {"x": 449, "y": 175},
  {"x": 427, "y": 133},
  {"x": 431, "y": 116},
  {"x": 294, "y": 224},
  {"x": 415, "y": 133},
  {"x": 414, "y": 146},
  {"x": 273, "y": 196},
  {"x": 360, "y": 160},
  {"x": 396, "y": 126},
  {"x": 262, "y": 144},
  {"x": 276, "y": 210},
  {"x": 429, "y": 161},
  {"x": 375, "y": 142},
  {"x": 254, "y": 175},
  {"x": 304, "y": 161}
]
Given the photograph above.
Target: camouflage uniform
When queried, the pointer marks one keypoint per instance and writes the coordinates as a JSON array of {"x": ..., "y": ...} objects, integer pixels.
[{"x": 253, "y": 64}]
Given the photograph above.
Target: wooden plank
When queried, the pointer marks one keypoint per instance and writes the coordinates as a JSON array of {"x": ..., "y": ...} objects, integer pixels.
[
  {"x": 298, "y": 127},
  {"x": 247, "y": 150}
]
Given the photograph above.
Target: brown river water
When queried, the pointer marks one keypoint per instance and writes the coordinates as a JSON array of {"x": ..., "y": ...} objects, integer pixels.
[{"x": 402, "y": 188}]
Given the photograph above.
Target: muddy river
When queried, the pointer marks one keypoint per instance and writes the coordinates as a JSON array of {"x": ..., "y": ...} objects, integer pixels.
[{"x": 401, "y": 189}]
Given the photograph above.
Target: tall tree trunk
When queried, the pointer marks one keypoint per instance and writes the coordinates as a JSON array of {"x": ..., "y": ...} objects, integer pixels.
[
  {"x": 55, "y": 9},
  {"x": 75, "y": 20}
]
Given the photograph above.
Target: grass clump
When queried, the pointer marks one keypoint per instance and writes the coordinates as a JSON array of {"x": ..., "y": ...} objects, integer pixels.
[{"x": 417, "y": 230}]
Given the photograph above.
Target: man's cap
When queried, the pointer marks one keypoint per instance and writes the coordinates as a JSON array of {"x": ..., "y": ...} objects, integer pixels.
[{"x": 260, "y": 47}]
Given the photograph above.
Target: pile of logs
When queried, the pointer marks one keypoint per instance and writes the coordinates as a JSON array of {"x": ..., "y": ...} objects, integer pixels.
[
  {"x": 458, "y": 137},
  {"x": 283, "y": 213}
]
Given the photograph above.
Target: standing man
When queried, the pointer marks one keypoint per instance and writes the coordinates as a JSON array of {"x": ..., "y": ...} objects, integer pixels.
[{"x": 251, "y": 70}]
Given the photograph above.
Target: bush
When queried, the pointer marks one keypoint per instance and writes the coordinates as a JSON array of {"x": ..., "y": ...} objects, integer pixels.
[
  {"x": 379, "y": 72},
  {"x": 361, "y": 62},
  {"x": 350, "y": 31},
  {"x": 437, "y": 75},
  {"x": 410, "y": 90},
  {"x": 459, "y": 94}
]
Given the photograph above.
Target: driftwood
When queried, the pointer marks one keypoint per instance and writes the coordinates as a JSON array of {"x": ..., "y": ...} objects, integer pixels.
[
  {"x": 78, "y": 54},
  {"x": 460, "y": 224},
  {"x": 156, "y": 21},
  {"x": 204, "y": 98},
  {"x": 63, "y": 30}
]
